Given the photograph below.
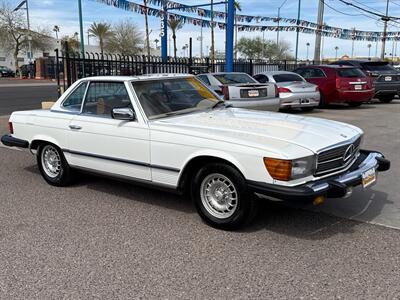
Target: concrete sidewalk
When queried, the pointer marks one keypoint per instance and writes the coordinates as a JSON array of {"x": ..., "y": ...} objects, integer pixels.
[{"x": 16, "y": 82}]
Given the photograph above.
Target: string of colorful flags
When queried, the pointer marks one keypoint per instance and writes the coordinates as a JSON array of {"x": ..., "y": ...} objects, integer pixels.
[{"x": 304, "y": 26}]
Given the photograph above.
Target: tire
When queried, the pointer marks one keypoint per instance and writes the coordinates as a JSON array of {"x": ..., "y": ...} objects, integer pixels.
[
  {"x": 307, "y": 109},
  {"x": 321, "y": 102},
  {"x": 386, "y": 98},
  {"x": 208, "y": 188},
  {"x": 354, "y": 104},
  {"x": 53, "y": 166}
]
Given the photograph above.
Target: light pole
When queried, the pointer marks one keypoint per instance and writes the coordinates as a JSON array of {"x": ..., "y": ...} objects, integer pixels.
[
  {"x": 352, "y": 42},
  {"x": 29, "y": 28},
  {"x": 279, "y": 17},
  {"x": 336, "y": 50},
  {"x": 369, "y": 51},
  {"x": 81, "y": 29},
  {"x": 308, "y": 47},
  {"x": 385, "y": 19},
  {"x": 298, "y": 30}
]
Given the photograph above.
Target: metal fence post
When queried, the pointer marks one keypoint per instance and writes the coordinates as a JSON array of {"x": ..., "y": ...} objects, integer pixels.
[
  {"x": 58, "y": 73},
  {"x": 67, "y": 66}
]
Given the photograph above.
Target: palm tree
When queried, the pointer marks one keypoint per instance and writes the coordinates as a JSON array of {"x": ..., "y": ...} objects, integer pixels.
[
  {"x": 237, "y": 7},
  {"x": 336, "y": 50},
  {"x": 56, "y": 29},
  {"x": 175, "y": 25},
  {"x": 102, "y": 31}
]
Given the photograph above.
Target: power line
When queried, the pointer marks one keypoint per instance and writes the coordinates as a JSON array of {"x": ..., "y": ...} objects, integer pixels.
[{"x": 384, "y": 17}]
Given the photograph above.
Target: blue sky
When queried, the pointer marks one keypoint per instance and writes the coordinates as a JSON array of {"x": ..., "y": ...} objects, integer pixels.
[{"x": 64, "y": 13}]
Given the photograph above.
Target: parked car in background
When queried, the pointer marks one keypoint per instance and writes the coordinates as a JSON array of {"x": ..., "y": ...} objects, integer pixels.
[
  {"x": 241, "y": 90},
  {"x": 386, "y": 78},
  {"x": 27, "y": 71},
  {"x": 339, "y": 84},
  {"x": 294, "y": 90},
  {"x": 171, "y": 131},
  {"x": 6, "y": 72}
]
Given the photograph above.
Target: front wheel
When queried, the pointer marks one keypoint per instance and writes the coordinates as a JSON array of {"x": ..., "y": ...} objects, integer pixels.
[
  {"x": 221, "y": 197},
  {"x": 307, "y": 109},
  {"x": 53, "y": 166},
  {"x": 354, "y": 104},
  {"x": 386, "y": 98}
]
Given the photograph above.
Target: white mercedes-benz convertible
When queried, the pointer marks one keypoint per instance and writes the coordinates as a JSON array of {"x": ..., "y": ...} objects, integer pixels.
[{"x": 171, "y": 131}]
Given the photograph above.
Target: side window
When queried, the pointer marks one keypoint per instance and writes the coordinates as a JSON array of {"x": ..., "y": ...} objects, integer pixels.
[
  {"x": 74, "y": 101},
  {"x": 300, "y": 72},
  {"x": 102, "y": 97},
  {"x": 318, "y": 73},
  {"x": 261, "y": 78},
  {"x": 204, "y": 79}
]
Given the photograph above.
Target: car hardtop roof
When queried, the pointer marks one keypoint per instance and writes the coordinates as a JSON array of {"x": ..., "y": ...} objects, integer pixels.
[
  {"x": 223, "y": 73},
  {"x": 328, "y": 67},
  {"x": 278, "y": 72},
  {"x": 136, "y": 78}
]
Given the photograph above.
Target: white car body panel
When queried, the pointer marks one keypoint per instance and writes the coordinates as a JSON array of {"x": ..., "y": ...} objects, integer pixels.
[{"x": 158, "y": 150}]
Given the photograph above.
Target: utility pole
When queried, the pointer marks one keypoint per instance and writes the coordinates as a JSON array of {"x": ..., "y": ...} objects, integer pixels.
[
  {"x": 82, "y": 46},
  {"x": 212, "y": 33},
  {"x": 318, "y": 35},
  {"x": 385, "y": 20},
  {"x": 229, "y": 36},
  {"x": 352, "y": 42},
  {"x": 298, "y": 31},
  {"x": 279, "y": 19},
  {"x": 29, "y": 33},
  {"x": 146, "y": 21}
]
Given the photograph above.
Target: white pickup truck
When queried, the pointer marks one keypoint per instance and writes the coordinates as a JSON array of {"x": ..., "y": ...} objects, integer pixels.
[{"x": 171, "y": 131}]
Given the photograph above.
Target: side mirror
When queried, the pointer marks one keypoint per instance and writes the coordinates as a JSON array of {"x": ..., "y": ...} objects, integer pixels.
[{"x": 124, "y": 114}]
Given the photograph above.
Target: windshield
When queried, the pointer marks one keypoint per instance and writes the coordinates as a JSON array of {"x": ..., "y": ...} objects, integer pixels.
[
  {"x": 377, "y": 66},
  {"x": 350, "y": 73},
  {"x": 287, "y": 77},
  {"x": 232, "y": 78},
  {"x": 165, "y": 97}
]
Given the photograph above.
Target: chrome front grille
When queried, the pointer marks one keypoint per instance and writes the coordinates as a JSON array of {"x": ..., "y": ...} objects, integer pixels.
[{"x": 336, "y": 159}]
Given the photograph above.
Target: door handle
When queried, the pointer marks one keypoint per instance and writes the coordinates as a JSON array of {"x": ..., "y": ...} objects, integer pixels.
[{"x": 75, "y": 127}]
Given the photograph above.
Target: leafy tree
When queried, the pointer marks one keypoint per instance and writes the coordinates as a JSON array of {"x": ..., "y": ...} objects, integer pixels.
[
  {"x": 14, "y": 35},
  {"x": 257, "y": 48},
  {"x": 102, "y": 31},
  {"x": 126, "y": 40},
  {"x": 175, "y": 25},
  {"x": 73, "y": 44}
]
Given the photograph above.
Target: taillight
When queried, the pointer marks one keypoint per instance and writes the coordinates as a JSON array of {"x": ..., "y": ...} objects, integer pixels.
[
  {"x": 225, "y": 91},
  {"x": 284, "y": 90},
  {"x": 10, "y": 128},
  {"x": 276, "y": 91},
  {"x": 338, "y": 82}
]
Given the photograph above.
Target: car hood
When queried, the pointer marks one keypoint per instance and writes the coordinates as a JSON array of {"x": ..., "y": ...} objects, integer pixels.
[{"x": 264, "y": 130}]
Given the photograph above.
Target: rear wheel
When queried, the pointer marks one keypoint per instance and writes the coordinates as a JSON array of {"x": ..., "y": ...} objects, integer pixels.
[
  {"x": 386, "y": 98},
  {"x": 221, "y": 197},
  {"x": 53, "y": 166},
  {"x": 354, "y": 104},
  {"x": 307, "y": 109}
]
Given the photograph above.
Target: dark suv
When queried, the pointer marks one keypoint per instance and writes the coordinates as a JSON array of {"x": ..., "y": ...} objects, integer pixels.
[{"x": 386, "y": 78}]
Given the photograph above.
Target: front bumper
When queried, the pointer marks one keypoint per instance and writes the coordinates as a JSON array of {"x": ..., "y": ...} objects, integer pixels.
[
  {"x": 11, "y": 141},
  {"x": 336, "y": 186}
]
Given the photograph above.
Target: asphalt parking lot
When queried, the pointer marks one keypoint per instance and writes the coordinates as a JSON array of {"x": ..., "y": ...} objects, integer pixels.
[{"x": 105, "y": 239}]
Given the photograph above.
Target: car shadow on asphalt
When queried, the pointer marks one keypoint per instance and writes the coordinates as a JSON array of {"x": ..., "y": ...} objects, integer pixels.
[{"x": 335, "y": 216}]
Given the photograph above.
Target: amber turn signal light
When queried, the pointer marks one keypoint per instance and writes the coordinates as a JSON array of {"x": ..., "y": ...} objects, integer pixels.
[{"x": 279, "y": 169}]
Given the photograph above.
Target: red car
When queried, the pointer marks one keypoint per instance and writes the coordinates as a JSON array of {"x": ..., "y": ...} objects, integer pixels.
[{"x": 339, "y": 84}]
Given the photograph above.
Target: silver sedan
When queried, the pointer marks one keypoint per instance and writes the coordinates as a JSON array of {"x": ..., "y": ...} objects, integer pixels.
[{"x": 294, "y": 90}]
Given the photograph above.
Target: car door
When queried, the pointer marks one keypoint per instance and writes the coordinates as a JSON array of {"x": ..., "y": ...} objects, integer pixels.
[{"x": 99, "y": 142}]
